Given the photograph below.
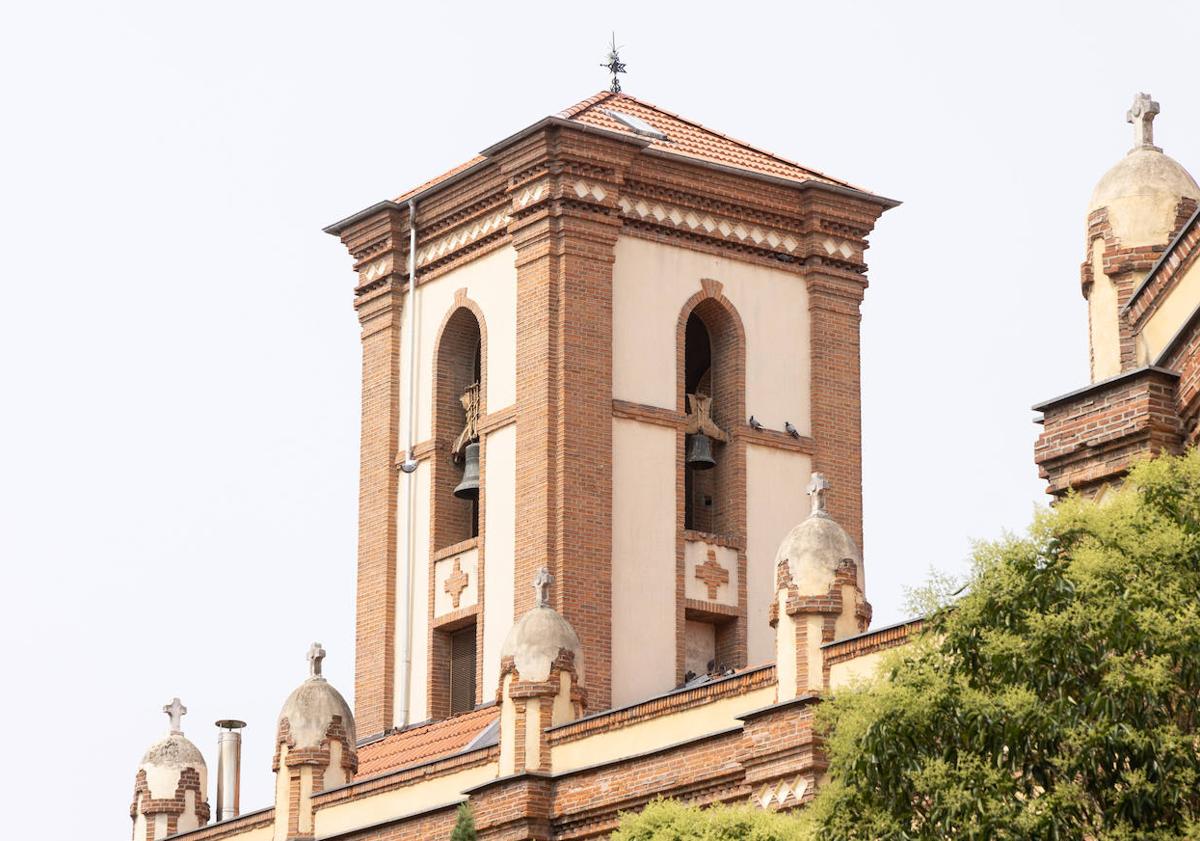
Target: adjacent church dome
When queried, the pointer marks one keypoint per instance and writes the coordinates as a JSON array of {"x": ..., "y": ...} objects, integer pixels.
[
  {"x": 536, "y": 639},
  {"x": 171, "y": 772},
  {"x": 310, "y": 710},
  {"x": 1142, "y": 191},
  {"x": 815, "y": 548}
]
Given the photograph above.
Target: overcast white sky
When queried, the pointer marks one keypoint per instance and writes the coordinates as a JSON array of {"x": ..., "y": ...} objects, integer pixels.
[{"x": 180, "y": 360}]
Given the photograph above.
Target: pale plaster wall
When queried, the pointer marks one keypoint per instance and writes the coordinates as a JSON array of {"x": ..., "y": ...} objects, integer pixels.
[
  {"x": 187, "y": 821},
  {"x": 658, "y": 732},
  {"x": 563, "y": 710},
  {"x": 651, "y": 283},
  {"x": 508, "y": 730},
  {"x": 816, "y": 660},
  {"x": 306, "y": 792},
  {"x": 418, "y": 482},
  {"x": 371, "y": 809},
  {"x": 468, "y": 562},
  {"x": 643, "y": 560},
  {"x": 282, "y": 797},
  {"x": 335, "y": 774},
  {"x": 847, "y": 623},
  {"x": 1103, "y": 322},
  {"x": 500, "y": 535},
  {"x": 700, "y": 642},
  {"x": 533, "y": 721},
  {"x": 695, "y": 554},
  {"x": 785, "y": 665},
  {"x": 258, "y": 833},
  {"x": 775, "y": 502},
  {"x": 1172, "y": 312},
  {"x": 849, "y": 672},
  {"x": 491, "y": 282}
]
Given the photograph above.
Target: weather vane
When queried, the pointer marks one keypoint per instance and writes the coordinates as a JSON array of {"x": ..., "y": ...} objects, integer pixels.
[{"x": 614, "y": 65}]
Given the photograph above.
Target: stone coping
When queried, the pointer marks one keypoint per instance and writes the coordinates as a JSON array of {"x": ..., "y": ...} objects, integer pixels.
[{"x": 1101, "y": 385}]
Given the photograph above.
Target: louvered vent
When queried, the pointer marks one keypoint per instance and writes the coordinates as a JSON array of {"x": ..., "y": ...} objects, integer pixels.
[{"x": 462, "y": 670}]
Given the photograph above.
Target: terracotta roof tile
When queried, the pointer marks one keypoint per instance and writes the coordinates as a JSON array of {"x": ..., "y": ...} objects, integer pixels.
[
  {"x": 424, "y": 742},
  {"x": 683, "y": 137}
]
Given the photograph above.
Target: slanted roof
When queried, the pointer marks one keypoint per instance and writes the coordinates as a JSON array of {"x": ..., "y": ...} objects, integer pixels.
[
  {"x": 424, "y": 742},
  {"x": 671, "y": 133}
]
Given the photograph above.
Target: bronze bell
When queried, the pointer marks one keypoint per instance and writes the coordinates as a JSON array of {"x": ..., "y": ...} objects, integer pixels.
[
  {"x": 699, "y": 456},
  {"x": 468, "y": 488}
]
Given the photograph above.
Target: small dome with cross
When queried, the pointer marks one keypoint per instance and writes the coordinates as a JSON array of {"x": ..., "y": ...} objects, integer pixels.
[
  {"x": 310, "y": 710},
  {"x": 1142, "y": 191},
  {"x": 814, "y": 549},
  {"x": 537, "y": 638},
  {"x": 170, "y": 765}
]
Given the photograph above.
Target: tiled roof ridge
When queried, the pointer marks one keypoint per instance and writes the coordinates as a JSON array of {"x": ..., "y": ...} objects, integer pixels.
[
  {"x": 427, "y": 740},
  {"x": 591, "y": 102}
]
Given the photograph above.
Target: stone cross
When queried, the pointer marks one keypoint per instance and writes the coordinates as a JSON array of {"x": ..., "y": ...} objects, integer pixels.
[
  {"x": 175, "y": 711},
  {"x": 712, "y": 574},
  {"x": 541, "y": 585},
  {"x": 1142, "y": 114},
  {"x": 315, "y": 655},
  {"x": 817, "y": 487}
]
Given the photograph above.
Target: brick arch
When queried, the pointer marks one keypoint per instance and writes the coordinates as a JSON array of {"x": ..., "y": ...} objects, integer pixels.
[
  {"x": 449, "y": 518},
  {"x": 726, "y": 482}
]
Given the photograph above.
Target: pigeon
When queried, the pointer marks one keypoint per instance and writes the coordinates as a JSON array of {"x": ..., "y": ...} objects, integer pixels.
[
  {"x": 755, "y": 423},
  {"x": 790, "y": 429}
]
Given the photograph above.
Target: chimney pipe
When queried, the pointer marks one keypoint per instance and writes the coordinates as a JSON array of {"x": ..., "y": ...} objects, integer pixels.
[{"x": 229, "y": 768}]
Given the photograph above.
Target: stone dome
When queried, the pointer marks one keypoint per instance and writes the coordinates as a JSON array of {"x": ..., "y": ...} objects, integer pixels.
[
  {"x": 536, "y": 639},
  {"x": 813, "y": 551},
  {"x": 1141, "y": 193},
  {"x": 310, "y": 709}
]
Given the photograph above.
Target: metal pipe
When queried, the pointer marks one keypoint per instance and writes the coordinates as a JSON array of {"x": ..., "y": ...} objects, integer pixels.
[
  {"x": 408, "y": 467},
  {"x": 229, "y": 768}
]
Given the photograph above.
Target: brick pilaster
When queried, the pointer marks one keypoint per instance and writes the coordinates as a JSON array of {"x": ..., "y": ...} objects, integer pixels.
[
  {"x": 378, "y": 244},
  {"x": 834, "y": 298}
]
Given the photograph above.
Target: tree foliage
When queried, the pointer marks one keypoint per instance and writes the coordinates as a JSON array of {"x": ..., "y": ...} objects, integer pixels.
[
  {"x": 1057, "y": 698},
  {"x": 464, "y": 824},
  {"x": 669, "y": 820}
]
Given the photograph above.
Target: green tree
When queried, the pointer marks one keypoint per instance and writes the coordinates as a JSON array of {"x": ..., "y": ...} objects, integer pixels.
[
  {"x": 464, "y": 824},
  {"x": 669, "y": 820},
  {"x": 1057, "y": 698}
]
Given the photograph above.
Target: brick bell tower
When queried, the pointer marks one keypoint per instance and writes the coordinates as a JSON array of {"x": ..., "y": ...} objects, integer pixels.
[{"x": 615, "y": 345}]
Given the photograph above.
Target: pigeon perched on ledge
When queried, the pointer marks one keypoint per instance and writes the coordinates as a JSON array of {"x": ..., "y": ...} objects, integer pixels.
[
  {"x": 755, "y": 423},
  {"x": 790, "y": 429}
]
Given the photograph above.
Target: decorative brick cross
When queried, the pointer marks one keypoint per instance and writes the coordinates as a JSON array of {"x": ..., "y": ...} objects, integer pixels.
[
  {"x": 175, "y": 711},
  {"x": 315, "y": 655},
  {"x": 455, "y": 583},
  {"x": 712, "y": 574}
]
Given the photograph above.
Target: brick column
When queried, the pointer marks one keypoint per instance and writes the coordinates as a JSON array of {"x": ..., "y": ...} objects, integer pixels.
[
  {"x": 378, "y": 244},
  {"x": 834, "y": 298},
  {"x": 564, "y": 245}
]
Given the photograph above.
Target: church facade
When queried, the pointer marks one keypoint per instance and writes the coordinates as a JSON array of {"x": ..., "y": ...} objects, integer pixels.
[{"x": 610, "y": 499}]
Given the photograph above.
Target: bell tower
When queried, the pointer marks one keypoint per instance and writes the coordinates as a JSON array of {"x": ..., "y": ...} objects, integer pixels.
[{"x": 613, "y": 345}]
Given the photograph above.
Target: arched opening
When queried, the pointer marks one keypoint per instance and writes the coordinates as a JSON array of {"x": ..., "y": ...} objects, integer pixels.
[
  {"x": 712, "y": 383},
  {"x": 458, "y": 404}
]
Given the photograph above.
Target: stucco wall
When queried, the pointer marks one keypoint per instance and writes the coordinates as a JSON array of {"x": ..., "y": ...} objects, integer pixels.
[
  {"x": 849, "y": 672},
  {"x": 500, "y": 515},
  {"x": 419, "y": 482},
  {"x": 1171, "y": 314},
  {"x": 658, "y": 732},
  {"x": 491, "y": 282},
  {"x": 643, "y": 567},
  {"x": 652, "y": 282},
  {"x": 775, "y": 502},
  {"x": 1102, "y": 315},
  {"x": 371, "y": 809}
]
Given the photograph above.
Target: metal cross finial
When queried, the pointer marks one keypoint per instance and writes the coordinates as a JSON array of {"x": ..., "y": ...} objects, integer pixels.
[
  {"x": 541, "y": 584},
  {"x": 1142, "y": 114},
  {"x": 614, "y": 65},
  {"x": 175, "y": 711},
  {"x": 315, "y": 655},
  {"x": 817, "y": 487}
]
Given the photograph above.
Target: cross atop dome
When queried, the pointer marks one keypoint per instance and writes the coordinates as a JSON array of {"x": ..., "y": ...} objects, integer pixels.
[
  {"x": 541, "y": 585},
  {"x": 315, "y": 655},
  {"x": 175, "y": 711},
  {"x": 1142, "y": 114},
  {"x": 817, "y": 488}
]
